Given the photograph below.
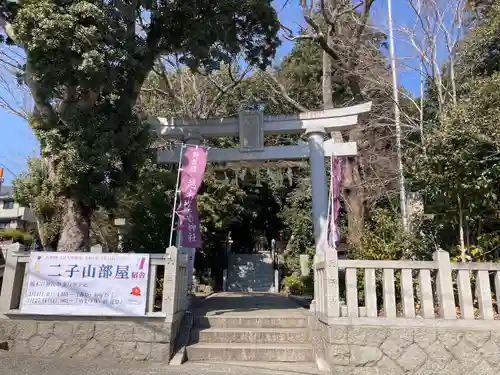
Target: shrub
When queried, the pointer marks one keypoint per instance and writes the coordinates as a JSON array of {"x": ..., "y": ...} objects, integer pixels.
[
  {"x": 298, "y": 285},
  {"x": 16, "y": 236},
  {"x": 385, "y": 239}
]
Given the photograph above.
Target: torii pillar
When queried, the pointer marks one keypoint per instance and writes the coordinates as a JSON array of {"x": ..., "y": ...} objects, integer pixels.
[{"x": 319, "y": 186}]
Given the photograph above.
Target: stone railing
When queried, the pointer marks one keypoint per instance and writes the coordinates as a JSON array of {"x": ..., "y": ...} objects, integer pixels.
[
  {"x": 167, "y": 283},
  {"x": 104, "y": 338},
  {"x": 320, "y": 286},
  {"x": 438, "y": 289},
  {"x": 379, "y": 317}
]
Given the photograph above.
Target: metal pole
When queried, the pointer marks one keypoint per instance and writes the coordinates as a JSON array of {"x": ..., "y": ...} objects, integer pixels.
[
  {"x": 181, "y": 153},
  {"x": 397, "y": 119}
]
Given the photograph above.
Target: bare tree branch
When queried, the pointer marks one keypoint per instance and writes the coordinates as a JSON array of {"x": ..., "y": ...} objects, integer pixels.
[
  {"x": 283, "y": 92},
  {"x": 159, "y": 69},
  {"x": 225, "y": 90}
]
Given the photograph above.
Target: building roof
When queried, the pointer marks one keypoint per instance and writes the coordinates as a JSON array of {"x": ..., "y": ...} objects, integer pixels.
[{"x": 6, "y": 191}]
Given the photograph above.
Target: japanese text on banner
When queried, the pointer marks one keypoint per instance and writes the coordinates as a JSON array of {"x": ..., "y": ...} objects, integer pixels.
[
  {"x": 191, "y": 175},
  {"x": 86, "y": 284}
]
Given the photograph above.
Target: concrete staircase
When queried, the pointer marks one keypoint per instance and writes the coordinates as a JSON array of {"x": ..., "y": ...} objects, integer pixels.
[
  {"x": 271, "y": 339},
  {"x": 250, "y": 327},
  {"x": 250, "y": 272}
]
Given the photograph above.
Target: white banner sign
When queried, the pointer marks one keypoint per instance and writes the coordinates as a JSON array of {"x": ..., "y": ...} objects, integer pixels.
[{"x": 86, "y": 284}]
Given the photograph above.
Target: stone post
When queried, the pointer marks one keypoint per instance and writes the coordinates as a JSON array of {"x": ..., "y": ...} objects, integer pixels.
[
  {"x": 483, "y": 295},
  {"x": 227, "y": 262},
  {"x": 319, "y": 186},
  {"x": 97, "y": 249},
  {"x": 444, "y": 285},
  {"x": 465, "y": 294},
  {"x": 122, "y": 227},
  {"x": 224, "y": 280},
  {"x": 170, "y": 282},
  {"x": 332, "y": 284},
  {"x": 3, "y": 252},
  {"x": 276, "y": 280},
  {"x": 12, "y": 284},
  {"x": 183, "y": 279},
  {"x": 312, "y": 307},
  {"x": 304, "y": 264}
]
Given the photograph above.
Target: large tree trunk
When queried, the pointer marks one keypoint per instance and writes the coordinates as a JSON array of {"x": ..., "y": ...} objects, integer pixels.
[
  {"x": 48, "y": 238},
  {"x": 42, "y": 234},
  {"x": 75, "y": 234},
  {"x": 327, "y": 90},
  {"x": 353, "y": 188},
  {"x": 355, "y": 206},
  {"x": 354, "y": 195}
]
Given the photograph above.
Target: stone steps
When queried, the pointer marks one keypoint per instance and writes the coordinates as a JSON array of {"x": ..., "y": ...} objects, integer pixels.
[
  {"x": 250, "y": 327},
  {"x": 251, "y": 335},
  {"x": 272, "y": 338},
  {"x": 250, "y": 352},
  {"x": 261, "y": 287},
  {"x": 304, "y": 368},
  {"x": 242, "y": 321}
]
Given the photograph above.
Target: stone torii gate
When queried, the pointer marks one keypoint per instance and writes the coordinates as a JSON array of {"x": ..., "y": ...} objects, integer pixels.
[{"x": 251, "y": 126}]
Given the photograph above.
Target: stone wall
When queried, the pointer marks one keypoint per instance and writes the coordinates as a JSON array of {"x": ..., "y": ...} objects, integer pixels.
[
  {"x": 397, "y": 349},
  {"x": 120, "y": 341}
]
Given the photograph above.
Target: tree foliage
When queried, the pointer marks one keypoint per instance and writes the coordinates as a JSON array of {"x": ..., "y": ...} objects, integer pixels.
[
  {"x": 459, "y": 170},
  {"x": 86, "y": 62},
  {"x": 231, "y": 201},
  {"x": 185, "y": 61},
  {"x": 35, "y": 190},
  {"x": 337, "y": 61},
  {"x": 147, "y": 208}
]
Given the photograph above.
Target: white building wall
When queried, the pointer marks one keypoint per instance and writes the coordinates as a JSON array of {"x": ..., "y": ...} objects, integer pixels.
[{"x": 16, "y": 211}]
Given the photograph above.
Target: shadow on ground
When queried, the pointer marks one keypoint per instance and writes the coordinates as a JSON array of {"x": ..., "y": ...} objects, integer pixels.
[{"x": 236, "y": 303}]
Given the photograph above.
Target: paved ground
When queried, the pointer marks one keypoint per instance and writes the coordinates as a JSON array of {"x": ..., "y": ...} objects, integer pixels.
[
  {"x": 221, "y": 304},
  {"x": 251, "y": 304},
  {"x": 12, "y": 365}
]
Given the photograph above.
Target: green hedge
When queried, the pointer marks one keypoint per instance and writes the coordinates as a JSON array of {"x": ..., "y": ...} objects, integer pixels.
[{"x": 16, "y": 235}]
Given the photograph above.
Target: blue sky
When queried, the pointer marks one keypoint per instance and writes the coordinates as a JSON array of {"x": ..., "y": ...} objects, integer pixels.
[{"x": 18, "y": 141}]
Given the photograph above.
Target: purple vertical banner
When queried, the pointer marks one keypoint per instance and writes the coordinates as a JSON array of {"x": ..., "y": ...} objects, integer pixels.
[
  {"x": 194, "y": 162},
  {"x": 334, "y": 204}
]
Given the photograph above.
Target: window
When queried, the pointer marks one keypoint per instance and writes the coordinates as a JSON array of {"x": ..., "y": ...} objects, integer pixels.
[
  {"x": 4, "y": 225},
  {"x": 7, "y": 205}
]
